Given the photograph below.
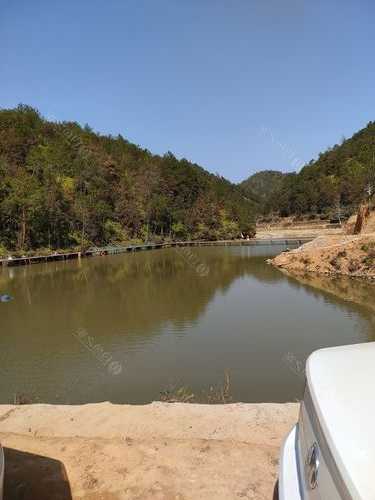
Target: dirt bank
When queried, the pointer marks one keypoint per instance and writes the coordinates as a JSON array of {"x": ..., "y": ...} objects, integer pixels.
[
  {"x": 295, "y": 232},
  {"x": 351, "y": 253},
  {"x": 332, "y": 255},
  {"x": 159, "y": 451},
  {"x": 290, "y": 228}
]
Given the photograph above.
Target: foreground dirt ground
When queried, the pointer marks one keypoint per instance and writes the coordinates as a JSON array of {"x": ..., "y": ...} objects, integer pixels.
[{"x": 157, "y": 451}]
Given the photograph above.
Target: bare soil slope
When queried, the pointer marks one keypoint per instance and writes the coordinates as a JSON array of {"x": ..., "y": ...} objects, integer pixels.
[
  {"x": 348, "y": 255},
  {"x": 333, "y": 255}
]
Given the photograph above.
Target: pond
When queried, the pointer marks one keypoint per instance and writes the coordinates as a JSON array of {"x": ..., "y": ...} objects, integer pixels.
[{"x": 130, "y": 327}]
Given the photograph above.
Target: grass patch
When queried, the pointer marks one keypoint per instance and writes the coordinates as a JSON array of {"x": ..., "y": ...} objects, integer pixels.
[{"x": 218, "y": 394}]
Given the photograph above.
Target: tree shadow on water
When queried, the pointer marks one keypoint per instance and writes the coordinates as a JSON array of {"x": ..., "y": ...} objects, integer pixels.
[{"x": 34, "y": 477}]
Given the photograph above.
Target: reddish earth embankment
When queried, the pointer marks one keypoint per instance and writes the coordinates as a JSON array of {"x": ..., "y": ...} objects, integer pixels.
[
  {"x": 341, "y": 254},
  {"x": 334, "y": 255}
]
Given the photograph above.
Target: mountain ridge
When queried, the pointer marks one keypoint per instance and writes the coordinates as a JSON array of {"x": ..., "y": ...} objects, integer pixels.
[{"x": 339, "y": 180}]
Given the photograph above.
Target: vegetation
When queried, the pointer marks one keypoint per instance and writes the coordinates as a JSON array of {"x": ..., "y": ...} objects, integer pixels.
[
  {"x": 63, "y": 185},
  {"x": 369, "y": 258},
  {"x": 333, "y": 185},
  {"x": 262, "y": 185},
  {"x": 218, "y": 394}
]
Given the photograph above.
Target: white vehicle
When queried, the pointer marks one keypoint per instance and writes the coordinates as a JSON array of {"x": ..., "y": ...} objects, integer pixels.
[
  {"x": 330, "y": 453},
  {"x": 1, "y": 472}
]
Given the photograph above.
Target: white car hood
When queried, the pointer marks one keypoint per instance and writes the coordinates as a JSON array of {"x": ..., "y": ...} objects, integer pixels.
[{"x": 341, "y": 381}]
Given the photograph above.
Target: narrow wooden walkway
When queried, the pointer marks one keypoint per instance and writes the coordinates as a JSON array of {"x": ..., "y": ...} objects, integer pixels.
[{"x": 113, "y": 250}]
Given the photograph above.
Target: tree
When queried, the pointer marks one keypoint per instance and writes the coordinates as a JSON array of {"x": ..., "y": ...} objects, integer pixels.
[
  {"x": 62, "y": 185},
  {"x": 23, "y": 206}
]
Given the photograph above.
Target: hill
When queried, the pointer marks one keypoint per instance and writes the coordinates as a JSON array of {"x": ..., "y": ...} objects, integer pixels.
[
  {"x": 262, "y": 185},
  {"x": 336, "y": 183},
  {"x": 63, "y": 185}
]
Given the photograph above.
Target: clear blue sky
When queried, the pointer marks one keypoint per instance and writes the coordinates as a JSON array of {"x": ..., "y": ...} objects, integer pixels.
[{"x": 234, "y": 85}]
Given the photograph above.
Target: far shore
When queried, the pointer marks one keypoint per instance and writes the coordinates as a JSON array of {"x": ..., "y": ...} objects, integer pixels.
[{"x": 36, "y": 258}]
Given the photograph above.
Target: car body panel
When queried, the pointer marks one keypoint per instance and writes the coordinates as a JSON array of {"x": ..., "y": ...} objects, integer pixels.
[
  {"x": 327, "y": 477},
  {"x": 341, "y": 382},
  {"x": 288, "y": 474},
  {"x": 334, "y": 449},
  {"x": 2, "y": 467}
]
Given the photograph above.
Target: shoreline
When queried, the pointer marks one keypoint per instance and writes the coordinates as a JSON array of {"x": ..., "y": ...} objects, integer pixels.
[
  {"x": 105, "y": 251},
  {"x": 349, "y": 256}
]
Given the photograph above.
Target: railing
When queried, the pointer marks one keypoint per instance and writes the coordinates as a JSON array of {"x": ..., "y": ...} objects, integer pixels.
[{"x": 113, "y": 250}]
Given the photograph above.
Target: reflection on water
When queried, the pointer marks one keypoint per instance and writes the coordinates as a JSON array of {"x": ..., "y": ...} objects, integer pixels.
[
  {"x": 360, "y": 291},
  {"x": 124, "y": 328}
]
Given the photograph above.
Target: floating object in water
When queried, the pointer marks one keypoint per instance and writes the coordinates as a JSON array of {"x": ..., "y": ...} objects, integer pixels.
[{"x": 5, "y": 298}]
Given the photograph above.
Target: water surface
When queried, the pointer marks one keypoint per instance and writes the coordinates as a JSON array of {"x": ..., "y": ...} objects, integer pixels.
[{"x": 127, "y": 327}]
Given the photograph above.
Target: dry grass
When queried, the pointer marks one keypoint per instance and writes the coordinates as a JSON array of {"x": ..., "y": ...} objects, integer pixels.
[{"x": 218, "y": 394}]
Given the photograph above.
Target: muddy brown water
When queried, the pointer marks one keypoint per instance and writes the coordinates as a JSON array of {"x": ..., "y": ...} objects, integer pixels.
[{"x": 129, "y": 327}]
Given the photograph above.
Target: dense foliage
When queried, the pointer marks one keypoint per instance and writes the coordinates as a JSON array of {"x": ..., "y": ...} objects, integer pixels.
[
  {"x": 62, "y": 185},
  {"x": 335, "y": 183},
  {"x": 263, "y": 184}
]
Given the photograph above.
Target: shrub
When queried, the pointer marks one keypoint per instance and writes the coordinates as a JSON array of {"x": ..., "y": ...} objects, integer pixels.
[
  {"x": 3, "y": 252},
  {"x": 114, "y": 232},
  {"x": 354, "y": 265}
]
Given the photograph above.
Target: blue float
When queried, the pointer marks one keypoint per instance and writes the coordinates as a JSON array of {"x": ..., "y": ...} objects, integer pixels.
[{"x": 5, "y": 298}]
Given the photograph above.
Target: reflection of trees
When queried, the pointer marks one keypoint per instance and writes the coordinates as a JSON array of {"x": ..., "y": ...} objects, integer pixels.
[
  {"x": 137, "y": 294},
  {"x": 357, "y": 295},
  {"x": 133, "y": 294},
  {"x": 124, "y": 302}
]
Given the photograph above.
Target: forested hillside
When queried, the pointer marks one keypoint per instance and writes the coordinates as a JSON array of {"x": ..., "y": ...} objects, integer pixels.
[
  {"x": 336, "y": 182},
  {"x": 62, "y": 185},
  {"x": 262, "y": 185}
]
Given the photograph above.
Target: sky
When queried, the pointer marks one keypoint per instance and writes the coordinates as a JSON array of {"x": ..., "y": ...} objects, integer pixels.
[{"x": 236, "y": 86}]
